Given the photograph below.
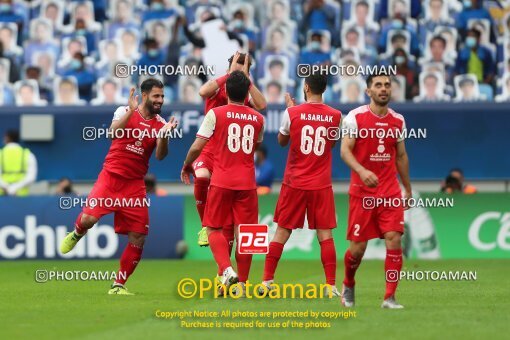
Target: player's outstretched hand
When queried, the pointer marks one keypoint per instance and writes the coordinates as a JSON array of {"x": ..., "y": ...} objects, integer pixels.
[
  {"x": 133, "y": 100},
  {"x": 369, "y": 178},
  {"x": 186, "y": 171},
  {"x": 289, "y": 101},
  {"x": 172, "y": 124},
  {"x": 234, "y": 62}
]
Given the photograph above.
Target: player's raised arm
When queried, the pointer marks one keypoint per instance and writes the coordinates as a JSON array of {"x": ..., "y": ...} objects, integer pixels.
[
  {"x": 121, "y": 118},
  {"x": 162, "y": 142},
  {"x": 403, "y": 169},
  {"x": 257, "y": 101},
  {"x": 209, "y": 89}
]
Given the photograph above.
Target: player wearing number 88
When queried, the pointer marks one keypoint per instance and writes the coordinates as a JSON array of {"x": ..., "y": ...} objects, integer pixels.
[
  {"x": 306, "y": 187},
  {"x": 235, "y": 130}
]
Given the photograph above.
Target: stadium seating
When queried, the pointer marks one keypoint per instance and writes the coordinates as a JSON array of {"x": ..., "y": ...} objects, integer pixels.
[{"x": 47, "y": 33}]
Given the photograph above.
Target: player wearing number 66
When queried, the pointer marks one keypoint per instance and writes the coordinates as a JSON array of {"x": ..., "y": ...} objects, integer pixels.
[
  {"x": 306, "y": 187},
  {"x": 235, "y": 130}
]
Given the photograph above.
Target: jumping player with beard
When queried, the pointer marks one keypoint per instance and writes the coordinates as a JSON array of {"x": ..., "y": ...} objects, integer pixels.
[
  {"x": 375, "y": 162},
  {"x": 121, "y": 179}
]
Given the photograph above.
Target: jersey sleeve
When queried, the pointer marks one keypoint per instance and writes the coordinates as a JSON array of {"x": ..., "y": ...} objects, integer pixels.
[
  {"x": 121, "y": 111},
  {"x": 349, "y": 125},
  {"x": 285, "y": 125},
  {"x": 208, "y": 125},
  {"x": 402, "y": 137}
]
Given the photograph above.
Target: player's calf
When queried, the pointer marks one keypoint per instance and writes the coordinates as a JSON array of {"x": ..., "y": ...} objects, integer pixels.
[
  {"x": 129, "y": 259},
  {"x": 392, "y": 264}
]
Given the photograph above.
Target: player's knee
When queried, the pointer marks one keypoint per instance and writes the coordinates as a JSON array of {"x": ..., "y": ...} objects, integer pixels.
[
  {"x": 282, "y": 235},
  {"x": 212, "y": 230},
  {"x": 136, "y": 239},
  {"x": 324, "y": 234},
  {"x": 358, "y": 249},
  {"x": 393, "y": 239},
  {"x": 87, "y": 221}
]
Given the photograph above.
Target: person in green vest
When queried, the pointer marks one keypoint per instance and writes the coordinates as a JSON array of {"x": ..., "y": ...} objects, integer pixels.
[{"x": 18, "y": 166}]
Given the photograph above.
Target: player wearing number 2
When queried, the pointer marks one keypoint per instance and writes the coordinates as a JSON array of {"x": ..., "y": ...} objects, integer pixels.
[
  {"x": 235, "y": 129},
  {"x": 312, "y": 129},
  {"x": 374, "y": 162}
]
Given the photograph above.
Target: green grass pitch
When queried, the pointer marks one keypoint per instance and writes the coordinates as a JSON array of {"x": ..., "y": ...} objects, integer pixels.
[{"x": 62, "y": 310}]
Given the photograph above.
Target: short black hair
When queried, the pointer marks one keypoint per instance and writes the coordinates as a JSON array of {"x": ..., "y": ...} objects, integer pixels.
[
  {"x": 438, "y": 38},
  {"x": 150, "y": 42},
  {"x": 371, "y": 77},
  {"x": 453, "y": 183},
  {"x": 275, "y": 62},
  {"x": 397, "y": 36},
  {"x": 459, "y": 170},
  {"x": 466, "y": 81},
  {"x": 362, "y": 3},
  {"x": 67, "y": 81},
  {"x": 317, "y": 82},
  {"x": 150, "y": 180},
  {"x": 475, "y": 32},
  {"x": 148, "y": 84},
  {"x": 430, "y": 75},
  {"x": 238, "y": 85},
  {"x": 12, "y": 135},
  {"x": 275, "y": 83},
  {"x": 240, "y": 61}
]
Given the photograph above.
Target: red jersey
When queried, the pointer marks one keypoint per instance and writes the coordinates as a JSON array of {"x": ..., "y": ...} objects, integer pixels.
[
  {"x": 375, "y": 154},
  {"x": 218, "y": 99},
  {"x": 235, "y": 130},
  {"x": 129, "y": 156},
  {"x": 309, "y": 160}
]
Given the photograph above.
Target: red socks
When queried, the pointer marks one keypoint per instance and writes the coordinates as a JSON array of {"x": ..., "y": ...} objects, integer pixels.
[
  {"x": 77, "y": 226},
  {"x": 228, "y": 233},
  {"x": 243, "y": 266},
  {"x": 128, "y": 261},
  {"x": 201, "y": 189},
  {"x": 393, "y": 263},
  {"x": 351, "y": 265},
  {"x": 328, "y": 258},
  {"x": 272, "y": 258},
  {"x": 219, "y": 248}
]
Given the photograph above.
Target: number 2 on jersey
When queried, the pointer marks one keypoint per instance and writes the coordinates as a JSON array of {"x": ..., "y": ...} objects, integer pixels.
[
  {"x": 308, "y": 143},
  {"x": 236, "y": 140}
]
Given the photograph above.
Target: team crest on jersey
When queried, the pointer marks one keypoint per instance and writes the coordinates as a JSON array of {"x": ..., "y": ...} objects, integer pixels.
[{"x": 138, "y": 143}]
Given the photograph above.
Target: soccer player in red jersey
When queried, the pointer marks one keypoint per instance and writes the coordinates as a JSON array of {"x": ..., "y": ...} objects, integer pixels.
[
  {"x": 375, "y": 159},
  {"x": 215, "y": 95},
  {"x": 122, "y": 176},
  {"x": 236, "y": 130},
  {"x": 312, "y": 129}
]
